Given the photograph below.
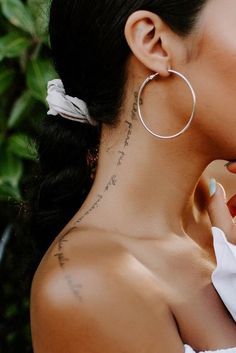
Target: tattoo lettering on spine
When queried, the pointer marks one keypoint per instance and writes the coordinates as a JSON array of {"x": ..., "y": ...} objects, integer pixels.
[{"x": 62, "y": 259}]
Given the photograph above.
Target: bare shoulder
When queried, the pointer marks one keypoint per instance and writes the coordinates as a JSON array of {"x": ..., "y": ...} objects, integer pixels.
[{"x": 93, "y": 297}]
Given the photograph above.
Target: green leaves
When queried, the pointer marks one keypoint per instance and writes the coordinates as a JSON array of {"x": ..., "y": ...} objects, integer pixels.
[
  {"x": 24, "y": 73},
  {"x": 10, "y": 168},
  {"x": 22, "y": 146},
  {"x": 6, "y": 78},
  {"x": 12, "y": 152},
  {"x": 40, "y": 12},
  {"x": 38, "y": 74},
  {"x": 8, "y": 191},
  {"x": 18, "y": 15},
  {"x": 31, "y": 17},
  {"x": 13, "y": 45},
  {"x": 11, "y": 171},
  {"x": 20, "y": 107}
]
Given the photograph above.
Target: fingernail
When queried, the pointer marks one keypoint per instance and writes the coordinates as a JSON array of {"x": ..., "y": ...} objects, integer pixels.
[
  {"x": 228, "y": 164},
  {"x": 212, "y": 187},
  {"x": 223, "y": 189}
]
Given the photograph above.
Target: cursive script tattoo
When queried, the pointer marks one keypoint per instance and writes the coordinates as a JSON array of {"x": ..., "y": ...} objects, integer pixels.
[
  {"x": 121, "y": 158},
  {"x": 135, "y": 106},
  {"x": 94, "y": 205},
  {"x": 75, "y": 288},
  {"x": 62, "y": 260},
  {"x": 112, "y": 182},
  {"x": 130, "y": 127}
]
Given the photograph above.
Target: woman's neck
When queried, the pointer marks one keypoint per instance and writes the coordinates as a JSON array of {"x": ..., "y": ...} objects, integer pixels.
[{"x": 148, "y": 187}]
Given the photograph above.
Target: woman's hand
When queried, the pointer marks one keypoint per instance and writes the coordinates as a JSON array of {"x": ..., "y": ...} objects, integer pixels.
[
  {"x": 220, "y": 211},
  {"x": 231, "y": 167}
]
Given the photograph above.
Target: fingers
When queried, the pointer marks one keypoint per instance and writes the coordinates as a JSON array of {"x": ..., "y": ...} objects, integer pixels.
[
  {"x": 217, "y": 208},
  {"x": 219, "y": 212},
  {"x": 231, "y": 167},
  {"x": 232, "y": 206}
]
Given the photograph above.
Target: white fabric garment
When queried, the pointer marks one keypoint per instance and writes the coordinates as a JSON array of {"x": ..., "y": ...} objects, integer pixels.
[
  {"x": 188, "y": 349},
  {"x": 71, "y": 108},
  {"x": 223, "y": 279},
  {"x": 224, "y": 276}
]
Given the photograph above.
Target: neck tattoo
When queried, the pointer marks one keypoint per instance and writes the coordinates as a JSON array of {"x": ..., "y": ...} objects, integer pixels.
[{"x": 112, "y": 182}]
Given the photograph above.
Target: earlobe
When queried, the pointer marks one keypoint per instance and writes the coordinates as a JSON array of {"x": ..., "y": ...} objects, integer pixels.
[{"x": 145, "y": 35}]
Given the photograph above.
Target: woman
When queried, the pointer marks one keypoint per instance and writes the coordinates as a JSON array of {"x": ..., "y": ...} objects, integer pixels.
[{"x": 151, "y": 86}]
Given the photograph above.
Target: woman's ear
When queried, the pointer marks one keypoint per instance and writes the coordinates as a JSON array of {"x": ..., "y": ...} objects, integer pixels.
[{"x": 147, "y": 37}]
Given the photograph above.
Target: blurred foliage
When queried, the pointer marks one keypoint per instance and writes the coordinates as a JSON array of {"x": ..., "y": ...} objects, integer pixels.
[{"x": 25, "y": 69}]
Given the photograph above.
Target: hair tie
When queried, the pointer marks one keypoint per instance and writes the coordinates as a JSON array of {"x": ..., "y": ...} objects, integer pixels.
[{"x": 71, "y": 108}]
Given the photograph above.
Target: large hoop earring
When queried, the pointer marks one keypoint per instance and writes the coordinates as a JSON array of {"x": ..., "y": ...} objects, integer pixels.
[{"x": 152, "y": 77}]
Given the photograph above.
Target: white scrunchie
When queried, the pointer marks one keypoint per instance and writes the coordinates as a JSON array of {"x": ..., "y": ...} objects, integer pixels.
[{"x": 68, "y": 107}]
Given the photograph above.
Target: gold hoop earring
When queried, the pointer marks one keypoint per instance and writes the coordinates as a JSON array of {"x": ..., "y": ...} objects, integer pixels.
[{"x": 152, "y": 77}]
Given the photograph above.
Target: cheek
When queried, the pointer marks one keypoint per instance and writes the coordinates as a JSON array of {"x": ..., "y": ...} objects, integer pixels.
[{"x": 214, "y": 76}]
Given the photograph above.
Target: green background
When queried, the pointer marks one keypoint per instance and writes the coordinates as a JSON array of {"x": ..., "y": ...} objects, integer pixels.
[{"x": 25, "y": 69}]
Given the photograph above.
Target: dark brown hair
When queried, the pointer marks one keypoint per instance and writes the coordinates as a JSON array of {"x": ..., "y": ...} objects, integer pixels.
[{"x": 90, "y": 54}]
